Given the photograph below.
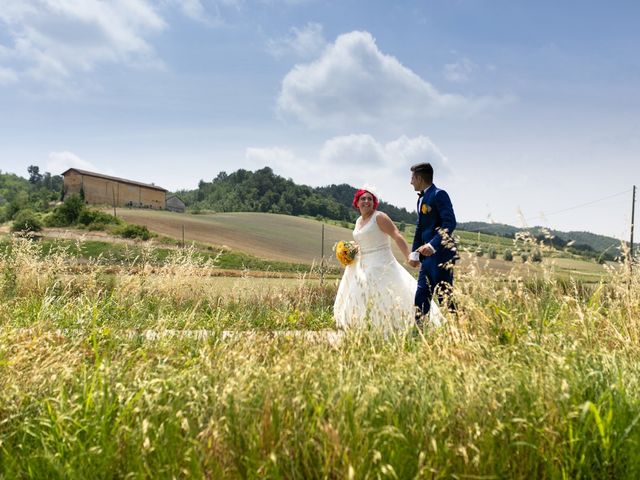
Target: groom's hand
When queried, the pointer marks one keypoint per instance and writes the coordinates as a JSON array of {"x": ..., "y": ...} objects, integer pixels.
[
  {"x": 414, "y": 263},
  {"x": 426, "y": 250}
]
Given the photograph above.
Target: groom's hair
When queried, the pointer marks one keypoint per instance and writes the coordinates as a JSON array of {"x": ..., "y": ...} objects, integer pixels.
[{"x": 423, "y": 170}]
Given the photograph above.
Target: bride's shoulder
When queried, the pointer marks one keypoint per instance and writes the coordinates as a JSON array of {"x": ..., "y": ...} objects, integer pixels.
[{"x": 380, "y": 216}]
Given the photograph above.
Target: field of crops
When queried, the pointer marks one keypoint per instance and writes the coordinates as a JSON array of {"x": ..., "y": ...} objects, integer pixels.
[{"x": 159, "y": 370}]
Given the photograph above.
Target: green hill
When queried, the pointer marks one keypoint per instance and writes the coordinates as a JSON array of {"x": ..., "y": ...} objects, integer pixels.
[
  {"x": 264, "y": 191},
  {"x": 581, "y": 243}
]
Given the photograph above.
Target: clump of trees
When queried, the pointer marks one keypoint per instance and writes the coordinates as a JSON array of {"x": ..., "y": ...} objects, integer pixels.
[
  {"x": 264, "y": 191},
  {"x": 36, "y": 193}
]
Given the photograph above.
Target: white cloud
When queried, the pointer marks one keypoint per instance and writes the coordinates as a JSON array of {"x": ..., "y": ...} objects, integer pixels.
[
  {"x": 8, "y": 76},
  {"x": 58, "y": 162},
  {"x": 459, "y": 72},
  {"x": 270, "y": 156},
  {"x": 209, "y": 13},
  {"x": 303, "y": 42},
  {"x": 354, "y": 82},
  {"x": 356, "y": 160},
  {"x": 53, "y": 39},
  {"x": 358, "y": 151}
]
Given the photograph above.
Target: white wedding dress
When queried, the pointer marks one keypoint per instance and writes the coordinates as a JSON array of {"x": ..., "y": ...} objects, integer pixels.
[{"x": 375, "y": 290}]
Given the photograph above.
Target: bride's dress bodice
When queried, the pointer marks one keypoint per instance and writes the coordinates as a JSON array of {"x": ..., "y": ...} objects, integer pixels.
[{"x": 375, "y": 245}]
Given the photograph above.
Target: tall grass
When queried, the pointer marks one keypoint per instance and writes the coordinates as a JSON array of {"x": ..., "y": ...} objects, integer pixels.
[{"x": 533, "y": 378}]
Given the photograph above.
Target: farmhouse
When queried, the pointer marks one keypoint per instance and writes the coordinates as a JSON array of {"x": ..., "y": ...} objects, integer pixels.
[
  {"x": 101, "y": 189},
  {"x": 175, "y": 204}
]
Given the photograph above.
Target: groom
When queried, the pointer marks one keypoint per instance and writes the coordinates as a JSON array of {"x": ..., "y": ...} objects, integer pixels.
[{"x": 432, "y": 241}]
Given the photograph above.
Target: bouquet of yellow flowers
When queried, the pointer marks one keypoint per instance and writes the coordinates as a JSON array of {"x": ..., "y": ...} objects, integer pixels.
[{"x": 346, "y": 252}]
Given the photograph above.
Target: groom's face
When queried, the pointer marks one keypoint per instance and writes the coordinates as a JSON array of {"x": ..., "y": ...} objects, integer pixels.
[{"x": 417, "y": 182}]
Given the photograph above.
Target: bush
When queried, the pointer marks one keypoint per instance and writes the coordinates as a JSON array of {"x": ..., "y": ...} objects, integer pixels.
[
  {"x": 66, "y": 213},
  {"x": 524, "y": 256},
  {"x": 479, "y": 252},
  {"x": 508, "y": 255},
  {"x": 491, "y": 253},
  {"x": 536, "y": 256},
  {"x": 88, "y": 217},
  {"x": 26, "y": 221},
  {"x": 134, "y": 231}
]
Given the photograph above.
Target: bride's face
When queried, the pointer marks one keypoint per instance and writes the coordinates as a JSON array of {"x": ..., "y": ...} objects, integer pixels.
[{"x": 365, "y": 203}]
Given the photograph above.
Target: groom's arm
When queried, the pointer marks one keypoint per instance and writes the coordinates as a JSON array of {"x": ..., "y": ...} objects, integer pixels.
[{"x": 417, "y": 237}]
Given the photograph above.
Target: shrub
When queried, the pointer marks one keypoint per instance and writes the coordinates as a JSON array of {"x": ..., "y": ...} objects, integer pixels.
[
  {"x": 66, "y": 213},
  {"x": 96, "y": 217},
  {"x": 508, "y": 255},
  {"x": 491, "y": 253},
  {"x": 524, "y": 256},
  {"x": 26, "y": 221},
  {"x": 479, "y": 252},
  {"x": 134, "y": 231},
  {"x": 536, "y": 256}
]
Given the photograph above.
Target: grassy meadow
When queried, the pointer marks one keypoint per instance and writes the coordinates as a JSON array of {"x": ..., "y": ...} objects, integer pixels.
[{"x": 535, "y": 377}]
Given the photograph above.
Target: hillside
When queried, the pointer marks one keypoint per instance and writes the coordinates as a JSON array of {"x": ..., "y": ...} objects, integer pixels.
[
  {"x": 581, "y": 243},
  {"x": 264, "y": 191},
  {"x": 269, "y": 236}
]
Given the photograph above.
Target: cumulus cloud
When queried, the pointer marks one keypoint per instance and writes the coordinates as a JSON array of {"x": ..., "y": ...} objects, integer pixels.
[
  {"x": 356, "y": 160},
  {"x": 52, "y": 39},
  {"x": 353, "y": 81},
  {"x": 303, "y": 42},
  {"x": 58, "y": 162},
  {"x": 460, "y": 71}
]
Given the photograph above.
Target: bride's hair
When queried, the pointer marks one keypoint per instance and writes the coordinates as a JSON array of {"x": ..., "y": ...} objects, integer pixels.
[{"x": 361, "y": 192}]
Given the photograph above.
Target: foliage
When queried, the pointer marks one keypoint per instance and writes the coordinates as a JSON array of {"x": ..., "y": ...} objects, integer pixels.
[
  {"x": 491, "y": 253},
  {"x": 263, "y": 191},
  {"x": 536, "y": 256},
  {"x": 96, "y": 220},
  {"x": 26, "y": 221},
  {"x": 36, "y": 193},
  {"x": 507, "y": 255},
  {"x": 134, "y": 231},
  {"x": 67, "y": 213}
]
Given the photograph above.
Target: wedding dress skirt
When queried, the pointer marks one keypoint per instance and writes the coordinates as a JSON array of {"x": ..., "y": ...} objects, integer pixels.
[{"x": 375, "y": 291}]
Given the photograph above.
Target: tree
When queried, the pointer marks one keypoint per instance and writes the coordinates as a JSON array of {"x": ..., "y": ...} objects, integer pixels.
[{"x": 35, "y": 177}]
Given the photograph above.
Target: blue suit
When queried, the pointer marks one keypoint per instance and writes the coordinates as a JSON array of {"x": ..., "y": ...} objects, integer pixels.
[{"x": 435, "y": 225}]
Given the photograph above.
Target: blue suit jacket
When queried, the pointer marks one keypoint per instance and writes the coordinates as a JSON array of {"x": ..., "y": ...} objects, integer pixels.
[{"x": 435, "y": 215}]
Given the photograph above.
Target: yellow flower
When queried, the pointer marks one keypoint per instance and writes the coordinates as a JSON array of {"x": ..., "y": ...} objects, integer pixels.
[{"x": 345, "y": 252}]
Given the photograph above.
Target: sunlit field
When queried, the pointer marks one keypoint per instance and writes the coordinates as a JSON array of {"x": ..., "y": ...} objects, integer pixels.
[{"x": 162, "y": 370}]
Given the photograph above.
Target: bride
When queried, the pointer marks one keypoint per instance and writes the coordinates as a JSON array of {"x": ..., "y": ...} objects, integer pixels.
[{"x": 376, "y": 291}]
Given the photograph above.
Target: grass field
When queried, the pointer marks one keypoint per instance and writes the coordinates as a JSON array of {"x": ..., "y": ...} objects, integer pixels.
[
  {"x": 535, "y": 377},
  {"x": 293, "y": 239}
]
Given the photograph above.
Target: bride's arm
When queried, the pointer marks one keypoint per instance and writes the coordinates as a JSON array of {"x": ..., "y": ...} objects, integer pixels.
[{"x": 388, "y": 227}]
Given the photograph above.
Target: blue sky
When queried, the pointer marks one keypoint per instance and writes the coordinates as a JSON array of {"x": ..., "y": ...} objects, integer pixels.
[{"x": 526, "y": 109}]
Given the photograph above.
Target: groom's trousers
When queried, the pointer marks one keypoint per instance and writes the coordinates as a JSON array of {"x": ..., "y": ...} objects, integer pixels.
[{"x": 434, "y": 279}]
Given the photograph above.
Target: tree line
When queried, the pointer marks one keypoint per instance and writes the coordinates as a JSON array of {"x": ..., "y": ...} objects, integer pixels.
[{"x": 264, "y": 191}]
